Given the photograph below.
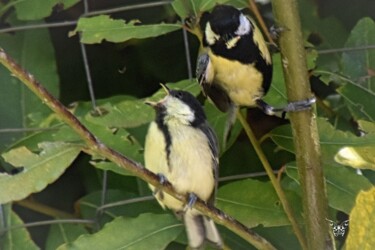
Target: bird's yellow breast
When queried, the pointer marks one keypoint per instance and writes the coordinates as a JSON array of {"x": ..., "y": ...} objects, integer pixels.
[
  {"x": 190, "y": 166},
  {"x": 242, "y": 82}
]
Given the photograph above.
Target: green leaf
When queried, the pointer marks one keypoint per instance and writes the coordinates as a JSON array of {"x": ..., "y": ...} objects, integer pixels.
[
  {"x": 331, "y": 139},
  {"x": 148, "y": 231},
  {"x": 39, "y": 169},
  {"x": 124, "y": 204},
  {"x": 253, "y": 203},
  {"x": 33, "y": 51},
  {"x": 18, "y": 238},
  {"x": 342, "y": 184},
  {"x": 188, "y": 8},
  {"x": 358, "y": 63},
  {"x": 39, "y": 9},
  {"x": 360, "y": 101},
  {"x": 276, "y": 95},
  {"x": 218, "y": 121},
  {"x": 63, "y": 233},
  {"x": 134, "y": 113},
  {"x": 58, "y": 132},
  {"x": 126, "y": 114},
  {"x": 361, "y": 221},
  {"x": 99, "y": 28}
]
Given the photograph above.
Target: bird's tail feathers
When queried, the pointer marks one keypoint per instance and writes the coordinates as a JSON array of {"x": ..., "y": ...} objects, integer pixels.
[{"x": 201, "y": 229}]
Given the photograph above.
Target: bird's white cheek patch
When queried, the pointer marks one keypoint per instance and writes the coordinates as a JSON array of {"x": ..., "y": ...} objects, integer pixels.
[
  {"x": 244, "y": 27},
  {"x": 211, "y": 36}
]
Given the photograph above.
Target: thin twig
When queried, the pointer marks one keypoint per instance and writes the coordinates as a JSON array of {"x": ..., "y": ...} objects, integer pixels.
[
  {"x": 98, "y": 148},
  {"x": 277, "y": 186},
  {"x": 44, "y": 209},
  {"x": 347, "y": 49},
  {"x": 254, "y": 8},
  {"x": 46, "y": 222}
]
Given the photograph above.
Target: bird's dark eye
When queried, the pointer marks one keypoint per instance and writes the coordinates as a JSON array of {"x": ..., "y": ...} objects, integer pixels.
[{"x": 179, "y": 94}]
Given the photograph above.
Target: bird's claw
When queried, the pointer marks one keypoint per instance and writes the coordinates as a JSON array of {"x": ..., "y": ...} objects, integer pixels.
[{"x": 191, "y": 201}]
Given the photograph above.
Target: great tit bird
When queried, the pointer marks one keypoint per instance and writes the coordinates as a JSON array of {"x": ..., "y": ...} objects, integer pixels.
[
  {"x": 181, "y": 147},
  {"x": 236, "y": 66}
]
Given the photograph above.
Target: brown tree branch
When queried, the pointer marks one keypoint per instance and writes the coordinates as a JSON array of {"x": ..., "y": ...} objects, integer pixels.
[{"x": 135, "y": 168}]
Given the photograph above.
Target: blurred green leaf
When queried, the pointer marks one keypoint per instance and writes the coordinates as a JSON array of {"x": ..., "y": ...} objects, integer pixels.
[
  {"x": 99, "y": 28},
  {"x": 329, "y": 30},
  {"x": 38, "y": 169},
  {"x": 357, "y": 64},
  {"x": 255, "y": 203},
  {"x": 361, "y": 220},
  {"x": 218, "y": 121},
  {"x": 33, "y": 50},
  {"x": 123, "y": 204},
  {"x": 342, "y": 184},
  {"x": 360, "y": 101},
  {"x": 188, "y": 8},
  {"x": 58, "y": 132},
  {"x": 39, "y": 9},
  {"x": 63, "y": 233},
  {"x": 126, "y": 114},
  {"x": 331, "y": 139},
  {"x": 367, "y": 127},
  {"x": 134, "y": 113},
  {"x": 147, "y": 231},
  {"x": 276, "y": 95},
  {"x": 14, "y": 239}
]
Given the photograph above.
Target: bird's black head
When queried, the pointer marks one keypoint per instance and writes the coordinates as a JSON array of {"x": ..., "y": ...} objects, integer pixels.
[
  {"x": 225, "y": 24},
  {"x": 188, "y": 103},
  {"x": 224, "y": 19},
  {"x": 180, "y": 106}
]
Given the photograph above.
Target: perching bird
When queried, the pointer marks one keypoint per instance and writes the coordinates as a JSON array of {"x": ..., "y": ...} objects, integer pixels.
[
  {"x": 235, "y": 68},
  {"x": 182, "y": 148}
]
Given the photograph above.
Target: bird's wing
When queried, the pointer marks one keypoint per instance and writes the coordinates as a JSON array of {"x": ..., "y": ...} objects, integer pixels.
[
  {"x": 214, "y": 146},
  {"x": 204, "y": 72}
]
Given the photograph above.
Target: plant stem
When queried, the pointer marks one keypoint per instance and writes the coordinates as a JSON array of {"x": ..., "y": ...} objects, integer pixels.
[
  {"x": 304, "y": 127},
  {"x": 44, "y": 209},
  {"x": 253, "y": 7},
  {"x": 95, "y": 147},
  {"x": 279, "y": 191}
]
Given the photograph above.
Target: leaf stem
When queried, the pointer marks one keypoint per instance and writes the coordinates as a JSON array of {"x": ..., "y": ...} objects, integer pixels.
[
  {"x": 44, "y": 209},
  {"x": 279, "y": 191},
  {"x": 98, "y": 148},
  {"x": 253, "y": 7}
]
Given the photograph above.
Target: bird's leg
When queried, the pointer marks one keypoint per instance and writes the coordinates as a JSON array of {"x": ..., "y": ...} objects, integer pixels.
[
  {"x": 291, "y": 107},
  {"x": 191, "y": 201}
]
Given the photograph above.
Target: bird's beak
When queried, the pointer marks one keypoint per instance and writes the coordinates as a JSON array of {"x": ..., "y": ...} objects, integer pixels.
[
  {"x": 152, "y": 104},
  {"x": 166, "y": 89},
  {"x": 160, "y": 103}
]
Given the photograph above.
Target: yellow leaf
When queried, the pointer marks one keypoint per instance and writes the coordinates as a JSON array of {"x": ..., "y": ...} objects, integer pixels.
[{"x": 362, "y": 217}]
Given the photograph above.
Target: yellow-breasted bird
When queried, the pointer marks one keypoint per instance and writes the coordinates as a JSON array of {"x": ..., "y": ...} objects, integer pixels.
[
  {"x": 182, "y": 148},
  {"x": 235, "y": 68}
]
